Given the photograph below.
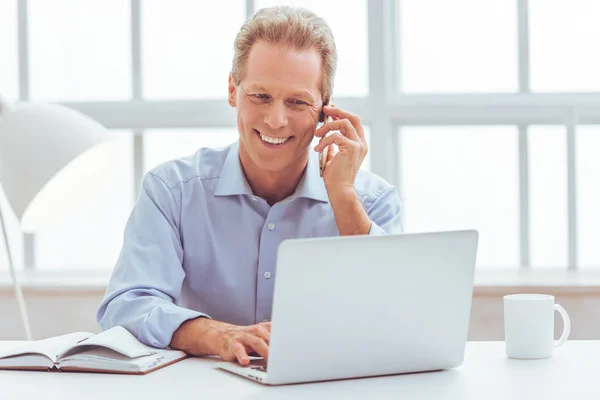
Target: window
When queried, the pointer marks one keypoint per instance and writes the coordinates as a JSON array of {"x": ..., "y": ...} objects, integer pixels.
[
  {"x": 9, "y": 75},
  {"x": 80, "y": 50},
  {"x": 548, "y": 196},
  {"x": 564, "y": 37},
  {"x": 162, "y": 145},
  {"x": 588, "y": 195},
  {"x": 91, "y": 235},
  {"x": 464, "y": 178},
  {"x": 458, "y": 105},
  {"x": 463, "y": 46},
  {"x": 348, "y": 22},
  {"x": 188, "y": 47},
  {"x": 9, "y": 90}
]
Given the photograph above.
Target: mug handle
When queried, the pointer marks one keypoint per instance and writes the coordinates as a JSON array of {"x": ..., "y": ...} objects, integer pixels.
[{"x": 566, "y": 323}]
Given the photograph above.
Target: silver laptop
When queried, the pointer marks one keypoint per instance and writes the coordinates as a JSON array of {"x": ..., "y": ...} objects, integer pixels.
[{"x": 358, "y": 306}]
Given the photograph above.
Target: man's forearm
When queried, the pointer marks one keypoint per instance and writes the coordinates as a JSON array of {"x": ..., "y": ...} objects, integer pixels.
[
  {"x": 350, "y": 216},
  {"x": 197, "y": 337}
]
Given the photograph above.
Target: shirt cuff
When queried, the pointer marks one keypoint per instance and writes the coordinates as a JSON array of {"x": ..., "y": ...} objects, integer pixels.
[
  {"x": 376, "y": 230},
  {"x": 161, "y": 323}
]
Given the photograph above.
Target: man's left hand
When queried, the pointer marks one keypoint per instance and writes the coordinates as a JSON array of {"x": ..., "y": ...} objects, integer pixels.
[{"x": 342, "y": 167}]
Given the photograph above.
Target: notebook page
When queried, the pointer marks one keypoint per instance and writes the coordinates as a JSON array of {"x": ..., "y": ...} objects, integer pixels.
[
  {"x": 51, "y": 347},
  {"x": 105, "y": 359},
  {"x": 33, "y": 361},
  {"x": 118, "y": 339}
]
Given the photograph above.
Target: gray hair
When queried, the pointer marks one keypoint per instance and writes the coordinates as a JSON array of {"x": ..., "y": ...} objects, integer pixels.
[{"x": 293, "y": 26}]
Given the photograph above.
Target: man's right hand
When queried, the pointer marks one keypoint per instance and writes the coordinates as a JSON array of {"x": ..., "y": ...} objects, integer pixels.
[{"x": 203, "y": 336}]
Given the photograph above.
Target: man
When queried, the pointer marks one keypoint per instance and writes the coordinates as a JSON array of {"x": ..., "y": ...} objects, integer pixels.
[{"x": 197, "y": 267}]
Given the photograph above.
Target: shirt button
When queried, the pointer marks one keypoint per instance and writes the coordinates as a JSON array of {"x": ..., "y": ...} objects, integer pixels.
[
  {"x": 271, "y": 226},
  {"x": 267, "y": 275},
  {"x": 254, "y": 198}
]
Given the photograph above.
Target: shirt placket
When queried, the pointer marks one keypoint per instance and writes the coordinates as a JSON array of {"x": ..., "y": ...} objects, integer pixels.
[{"x": 265, "y": 281}]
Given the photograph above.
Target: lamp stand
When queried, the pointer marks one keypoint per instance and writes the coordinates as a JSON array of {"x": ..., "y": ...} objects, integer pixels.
[{"x": 15, "y": 281}]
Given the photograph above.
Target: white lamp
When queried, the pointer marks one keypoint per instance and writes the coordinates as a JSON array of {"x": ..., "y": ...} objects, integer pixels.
[{"x": 42, "y": 150}]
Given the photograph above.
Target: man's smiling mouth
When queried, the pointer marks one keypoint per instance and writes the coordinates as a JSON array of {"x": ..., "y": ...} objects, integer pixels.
[{"x": 272, "y": 140}]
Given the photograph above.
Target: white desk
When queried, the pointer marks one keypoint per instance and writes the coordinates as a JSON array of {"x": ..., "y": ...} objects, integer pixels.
[{"x": 573, "y": 373}]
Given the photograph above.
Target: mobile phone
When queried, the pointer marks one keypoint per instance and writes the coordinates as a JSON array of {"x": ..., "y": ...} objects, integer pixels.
[{"x": 324, "y": 152}]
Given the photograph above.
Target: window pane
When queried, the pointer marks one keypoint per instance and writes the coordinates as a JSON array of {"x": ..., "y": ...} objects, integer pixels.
[
  {"x": 13, "y": 232},
  {"x": 188, "y": 47},
  {"x": 464, "y": 178},
  {"x": 588, "y": 196},
  {"x": 548, "y": 196},
  {"x": 564, "y": 37},
  {"x": 80, "y": 50},
  {"x": 348, "y": 22},
  {"x": 458, "y": 46},
  {"x": 9, "y": 61},
  {"x": 91, "y": 236},
  {"x": 162, "y": 145}
]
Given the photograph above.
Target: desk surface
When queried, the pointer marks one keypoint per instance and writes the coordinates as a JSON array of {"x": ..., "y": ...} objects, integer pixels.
[{"x": 574, "y": 372}]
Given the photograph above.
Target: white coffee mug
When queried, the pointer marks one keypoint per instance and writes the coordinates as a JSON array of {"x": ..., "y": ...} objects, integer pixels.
[{"x": 529, "y": 326}]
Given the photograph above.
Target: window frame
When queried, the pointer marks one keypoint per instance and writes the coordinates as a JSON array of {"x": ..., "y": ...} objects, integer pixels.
[{"x": 385, "y": 110}]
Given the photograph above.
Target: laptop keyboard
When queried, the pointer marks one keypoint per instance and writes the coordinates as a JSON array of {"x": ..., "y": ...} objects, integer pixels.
[{"x": 258, "y": 365}]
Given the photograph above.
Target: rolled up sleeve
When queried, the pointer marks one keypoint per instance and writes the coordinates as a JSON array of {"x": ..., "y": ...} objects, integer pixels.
[
  {"x": 145, "y": 285},
  {"x": 385, "y": 214}
]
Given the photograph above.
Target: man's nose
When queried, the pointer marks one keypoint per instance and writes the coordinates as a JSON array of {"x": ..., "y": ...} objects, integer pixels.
[{"x": 276, "y": 116}]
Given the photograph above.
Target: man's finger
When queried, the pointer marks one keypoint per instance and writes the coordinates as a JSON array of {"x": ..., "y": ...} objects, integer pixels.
[
  {"x": 257, "y": 344},
  {"x": 264, "y": 335},
  {"x": 330, "y": 153},
  {"x": 266, "y": 325},
  {"x": 343, "y": 126},
  {"x": 240, "y": 353},
  {"x": 338, "y": 113},
  {"x": 333, "y": 111},
  {"x": 262, "y": 332},
  {"x": 334, "y": 138},
  {"x": 333, "y": 118}
]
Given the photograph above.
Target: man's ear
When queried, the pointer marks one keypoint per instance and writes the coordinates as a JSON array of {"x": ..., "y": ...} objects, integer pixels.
[{"x": 232, "y": 91}]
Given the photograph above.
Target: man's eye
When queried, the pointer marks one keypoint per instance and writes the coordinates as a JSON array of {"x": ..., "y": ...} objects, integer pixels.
[
  {"x": 299, "y": 102},
  {"x": 260, "y": 96}
]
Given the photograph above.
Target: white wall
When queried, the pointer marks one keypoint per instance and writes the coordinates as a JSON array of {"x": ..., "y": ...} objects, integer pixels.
[
  {"x": 582, "y": 304},
  {"x": 54, "y": 313}
]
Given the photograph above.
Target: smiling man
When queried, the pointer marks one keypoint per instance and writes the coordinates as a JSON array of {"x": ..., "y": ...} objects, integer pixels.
[{"x": 197, "y": 267}]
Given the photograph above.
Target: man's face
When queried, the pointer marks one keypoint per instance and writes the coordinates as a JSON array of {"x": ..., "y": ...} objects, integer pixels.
[{"x": 278, "y": 104}]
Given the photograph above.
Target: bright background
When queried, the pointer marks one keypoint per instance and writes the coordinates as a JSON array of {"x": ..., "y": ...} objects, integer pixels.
[{"x": 479, "y": 115}]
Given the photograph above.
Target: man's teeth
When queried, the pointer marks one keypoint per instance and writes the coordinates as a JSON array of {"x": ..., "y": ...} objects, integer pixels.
[{"x": 272, "y": 140}]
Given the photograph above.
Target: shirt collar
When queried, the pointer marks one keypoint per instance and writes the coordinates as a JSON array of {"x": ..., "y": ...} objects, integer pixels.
[
  {"x": 311, "y": 186},
  {"x": 233, "y": 182}
]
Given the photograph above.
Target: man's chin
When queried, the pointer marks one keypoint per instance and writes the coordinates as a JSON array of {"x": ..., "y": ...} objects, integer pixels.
[{"x": 276, "y": 165}]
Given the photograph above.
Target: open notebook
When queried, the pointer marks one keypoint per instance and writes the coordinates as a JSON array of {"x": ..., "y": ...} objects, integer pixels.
[{"x": 113, "y": 351}]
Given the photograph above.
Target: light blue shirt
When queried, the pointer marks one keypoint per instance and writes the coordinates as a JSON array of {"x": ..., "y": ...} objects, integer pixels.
[{"x": 199, "y": 243}]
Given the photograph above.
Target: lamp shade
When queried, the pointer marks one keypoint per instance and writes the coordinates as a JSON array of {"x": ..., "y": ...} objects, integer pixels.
[{"x": 37, "y": 143}]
